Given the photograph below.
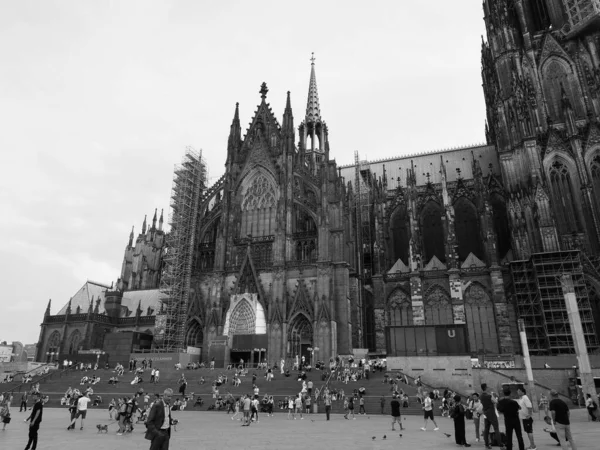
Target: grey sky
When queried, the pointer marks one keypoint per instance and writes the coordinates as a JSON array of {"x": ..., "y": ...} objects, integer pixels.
[{"x": 99, "y": 99}]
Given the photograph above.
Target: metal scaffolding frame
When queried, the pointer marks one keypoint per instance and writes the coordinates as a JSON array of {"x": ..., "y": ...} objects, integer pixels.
[
  {"x": 540, "y": 301},
  {"x": 189, "y": 182},
  {"x": 581, "y": 14}
]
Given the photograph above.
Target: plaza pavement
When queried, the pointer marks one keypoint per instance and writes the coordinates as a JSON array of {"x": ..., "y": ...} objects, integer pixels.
[{"x": 215, "y": 430}]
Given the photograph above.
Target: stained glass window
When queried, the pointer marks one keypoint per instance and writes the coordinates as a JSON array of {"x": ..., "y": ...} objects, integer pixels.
[{"x": 438, "y": 309}]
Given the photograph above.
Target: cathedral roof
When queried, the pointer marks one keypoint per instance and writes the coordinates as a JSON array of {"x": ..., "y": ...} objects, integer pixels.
[
  {"x": 131, "y": 299},
  {"x": 429, "y": 163},
  {"x": 83, "y": 297}
]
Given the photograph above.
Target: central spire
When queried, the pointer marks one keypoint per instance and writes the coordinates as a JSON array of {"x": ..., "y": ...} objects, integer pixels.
[{"x": 313, "y": 111}]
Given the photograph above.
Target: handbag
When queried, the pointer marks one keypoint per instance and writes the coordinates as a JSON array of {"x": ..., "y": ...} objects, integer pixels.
[{"x": 6, "y": 419}]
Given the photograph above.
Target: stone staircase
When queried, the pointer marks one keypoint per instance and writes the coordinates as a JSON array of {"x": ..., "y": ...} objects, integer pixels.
[{"x": 57, "y": 382}]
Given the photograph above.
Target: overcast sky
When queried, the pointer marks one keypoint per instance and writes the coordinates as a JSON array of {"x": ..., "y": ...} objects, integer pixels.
[{"x": 98, "y": 100}]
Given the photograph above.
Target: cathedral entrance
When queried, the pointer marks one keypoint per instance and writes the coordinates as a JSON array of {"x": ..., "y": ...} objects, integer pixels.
[{"x": 300, "y": 339}]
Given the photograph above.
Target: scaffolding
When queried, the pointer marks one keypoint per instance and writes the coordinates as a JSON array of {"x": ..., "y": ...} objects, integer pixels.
[
  {"x": 540, "y": 301},
  {"x": 189, "y": 181}
]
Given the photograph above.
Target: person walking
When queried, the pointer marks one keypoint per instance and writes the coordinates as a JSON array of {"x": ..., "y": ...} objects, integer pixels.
[
  {"x": 525, "y": 415},
  {"x": 591, "y": 406},
  {"x": 490, "y": 418},
  {"x": 382, "y": 404},
  {"x": 458, "y": 416},
  {"x": 158, "y": 425},
  {"x": 361, "y": 405},
  {"x": 510, "y": 409},
  {"x": 24, "y": 399},
  {"x": 82, "y": 406},
  {"x": 428, "y": 411},
  {"x": 396, "y": 416},
  {"x": 327, "y": 405},
  {"x": 350, "y": 408},
  {"x": 34, "y": 419},
  {"x": 561, "y": 417},
  {"x": 5, "y": 411}
]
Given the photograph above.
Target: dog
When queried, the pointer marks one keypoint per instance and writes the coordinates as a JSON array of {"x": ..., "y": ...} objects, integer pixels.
[
  {"x": 174, "y": 423},
  {"x": 102, "y": 428}
]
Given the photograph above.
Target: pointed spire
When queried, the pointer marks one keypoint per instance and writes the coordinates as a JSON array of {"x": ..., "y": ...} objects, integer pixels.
[
  {"x": 160, "y": 221},
  {"x": 131, "y": 237},
  {"x": 313, "y": 111},
  {"x": 97, "y": 307},
  {"x": 91, "y": 306},
  {"x": 154, "y": 219},
  {"x": 69, "y": 306},
  {"x": 144, "y": 225},
  {"x": 235, "y": 135},
  {"x": 288, "y": 118},
  {"x": 138, "y": 312},
  {"x": 47, "y": 313}
]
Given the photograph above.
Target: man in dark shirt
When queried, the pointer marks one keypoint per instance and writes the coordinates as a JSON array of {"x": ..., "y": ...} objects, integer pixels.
[
  {"x": 395, "y": 405},
  {"x": 510, "y": 408},
  {"x": 491, "y": 419},
  {"x": 34, "y": 421},
  {"x": 561, "y": 419}
]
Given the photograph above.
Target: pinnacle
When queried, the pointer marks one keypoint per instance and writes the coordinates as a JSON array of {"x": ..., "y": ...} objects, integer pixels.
[{"x": 313, "y": 111}]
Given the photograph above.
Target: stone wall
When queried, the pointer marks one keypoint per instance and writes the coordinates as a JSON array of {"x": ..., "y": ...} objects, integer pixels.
[{"x": 453, "y": 372}]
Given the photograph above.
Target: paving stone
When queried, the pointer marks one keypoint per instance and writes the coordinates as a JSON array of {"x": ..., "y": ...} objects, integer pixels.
[{"x": 215, "y": 430}]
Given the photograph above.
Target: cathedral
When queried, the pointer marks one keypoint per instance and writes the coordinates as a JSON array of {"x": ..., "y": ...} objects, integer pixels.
[{"x": 431, "y": 254}]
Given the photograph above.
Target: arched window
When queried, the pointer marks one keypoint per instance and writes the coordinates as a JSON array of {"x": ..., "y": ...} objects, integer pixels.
[
  {"x": 300, "y": 337},
  {"x": 305, "y": 235},
  {"x": 258, "y": 208},
  {"x": 399, "y": 309},
  {"x": 481, "y": 321},
  {"x": 595, "y": 169},
  {"x": 53, "y": 346},
  {"x": 243, "y": 319},
  {"x": 556, "y": 78},
  {"x": 563, "y": 198},
  {"x": 399, "y": 234},
  {"x": 500, "y": 218},
  {"x": 466, "y": 224},
  {"x": 206, "y": 248},
  {"x": 74, "y": 342},
  {"x": 438, "y": 308},
  {"x": 433, "y": 231},
  {"x": 194, "y": 335}
]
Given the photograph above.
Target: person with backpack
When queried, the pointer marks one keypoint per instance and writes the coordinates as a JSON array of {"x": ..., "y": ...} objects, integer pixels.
[
  {"x": 591, "y": 406},
  {"x": 457, "y": 414},
  {"x": 510, "y": 409}
]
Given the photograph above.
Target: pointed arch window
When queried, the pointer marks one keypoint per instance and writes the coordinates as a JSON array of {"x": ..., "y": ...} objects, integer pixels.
[
  {"x": 399, "y": 233},
  {"x": 243, "y": 319},
  {"x": 564, "y": 198},
  {"x": 399, "y": 309},
  {"x": 300, "y": 337},
  {"x": 500, "y": 217},
  {"x": 258, "y": 208},
  {"x": 194, "y": 335},
  {"x": 481, "y": 321},
  {"x": 555, "y": 79},
  {"x": 53, "y": 345},
  {"x": 433, "y": 231},
  {"x": 74, "y": 342},
  {"x": 468, "y": 233},
  {"x": 595, "y": 169},
  {"x": 438, "y": 309}
]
